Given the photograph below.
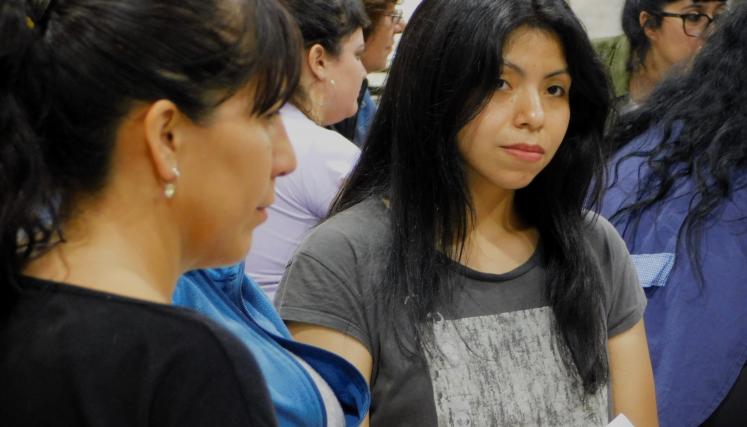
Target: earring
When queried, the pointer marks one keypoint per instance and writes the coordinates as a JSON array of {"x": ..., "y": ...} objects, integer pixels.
[
  {"x": 332, "y": 82},
  {"x": 169, "y": 189}
]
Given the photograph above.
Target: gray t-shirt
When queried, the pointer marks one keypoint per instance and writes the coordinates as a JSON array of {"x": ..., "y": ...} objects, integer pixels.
[{"x": 497, "y": 356}]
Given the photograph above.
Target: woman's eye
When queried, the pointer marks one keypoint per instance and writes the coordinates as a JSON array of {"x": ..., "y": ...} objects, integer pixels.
[
  {"x": 693, "y": 17},
  {"x": 503, "y": 85},
  {"x": 556, "y": 90}
]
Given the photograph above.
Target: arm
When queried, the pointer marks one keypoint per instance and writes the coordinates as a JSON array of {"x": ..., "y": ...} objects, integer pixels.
[
  {"x": 631, "y": 377},
  {"x": 336, "y": 342}
]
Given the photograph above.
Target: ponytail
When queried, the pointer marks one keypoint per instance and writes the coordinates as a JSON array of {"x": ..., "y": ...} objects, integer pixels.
[
  {"x": 71, "y": 70},
  {"x": 23, "y": 181}
]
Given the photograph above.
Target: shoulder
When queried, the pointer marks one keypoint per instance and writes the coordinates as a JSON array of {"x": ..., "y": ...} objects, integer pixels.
[
  {"x": 169, "y": 331},
  {"x": 351, "y": 244},
  {"x": 603, "y": 238},
  {"x": 610, "y": 48},
  {"x": 312, "y": 140},
  {"x": 361, "y": 226}
]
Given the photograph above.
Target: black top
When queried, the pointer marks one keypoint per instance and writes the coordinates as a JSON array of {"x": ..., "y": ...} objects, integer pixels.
[{"x": 74, "y": 356}]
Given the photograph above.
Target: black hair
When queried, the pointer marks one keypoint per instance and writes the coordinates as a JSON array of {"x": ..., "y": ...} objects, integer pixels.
[
  {"x": 447, "y": 67},
  {"x": 327, "y": 22},
  {"x": 703, "y": 119},
  {"x": 70, "y": 70},
  {"x": 635, "y": 33}
]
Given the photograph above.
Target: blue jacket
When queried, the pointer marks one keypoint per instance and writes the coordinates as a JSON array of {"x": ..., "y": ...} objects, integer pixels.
[
  {"x": 232, "y": 299},
  {"x": 697, "y": 332}
]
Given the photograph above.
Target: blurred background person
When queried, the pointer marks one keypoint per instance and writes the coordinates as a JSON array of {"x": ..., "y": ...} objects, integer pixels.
[
  {"x": 138, "y": 140},
  {"x": 331, "y": 77},
  {"x": 678, "y": 195},
  {"x": 386, "y": 22},
  {"x": 658, "y": 35}
]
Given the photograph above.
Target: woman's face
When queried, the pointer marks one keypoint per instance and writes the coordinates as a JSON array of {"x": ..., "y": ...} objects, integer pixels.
[
  {"x": 228, "y": 168},
  {"x": 669, "y": 42},
  {"x": 521, "y": 127},
  {"x": 347, "y": 72},
  {"x": 380, "y": 42}
]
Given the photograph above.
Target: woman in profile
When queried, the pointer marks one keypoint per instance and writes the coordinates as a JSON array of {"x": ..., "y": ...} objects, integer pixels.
[
  {"x": 459, "y": 270},
  {"x": 658, "y": 35},
  {"x": 138, "y": 140},
  {"x": 331, "y": 77},
  {"x": 678, "y": 196},
  {"x": 308, "y": 386}
]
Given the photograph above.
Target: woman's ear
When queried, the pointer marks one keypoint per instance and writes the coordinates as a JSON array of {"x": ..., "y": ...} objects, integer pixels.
[
  {"x": 648, "y": 24},
  {"x": 316, "y": 59},
  {"x": 162, "y": 122}
]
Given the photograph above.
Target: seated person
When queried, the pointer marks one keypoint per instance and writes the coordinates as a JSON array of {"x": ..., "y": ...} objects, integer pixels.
[{"x": 678, "y": 195}]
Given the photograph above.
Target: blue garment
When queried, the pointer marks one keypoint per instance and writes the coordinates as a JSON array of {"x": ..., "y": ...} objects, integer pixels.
[
  {"x": 366, "y": 112},
  {"x": 231, "y": 298},
  {"x": 697, "y": 331}
]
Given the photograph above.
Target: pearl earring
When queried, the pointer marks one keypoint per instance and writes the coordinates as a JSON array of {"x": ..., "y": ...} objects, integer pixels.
[
  {"x": 332, "y": 82},
  {"x": 169, "y": 189}
]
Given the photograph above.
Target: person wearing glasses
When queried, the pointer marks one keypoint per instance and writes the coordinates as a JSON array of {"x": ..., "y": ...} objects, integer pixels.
[
  {"x": 677, "y": 193},
  {"x": 386, "y": 21},
  {"x": 659, "y": 34}
]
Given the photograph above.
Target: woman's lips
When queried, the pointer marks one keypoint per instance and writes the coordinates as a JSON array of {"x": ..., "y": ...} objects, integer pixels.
[{"x": 525, "y": 152}]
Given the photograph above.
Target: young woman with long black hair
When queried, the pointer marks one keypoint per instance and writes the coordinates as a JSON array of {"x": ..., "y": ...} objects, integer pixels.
[
  {"x": 678, "y": 196},
  {"x": 459, "y": 270},
  {"x": 138, "y": 140}
]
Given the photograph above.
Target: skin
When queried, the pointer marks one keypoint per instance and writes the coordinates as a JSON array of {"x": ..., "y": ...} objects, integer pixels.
[
  {"x": 670, "y": 46},
  {"x": 531, "y": 106},
  {"x": 380, "y": 42},
  {"x": 133, "y": 241},
  {"x": 333, "y": 82}
]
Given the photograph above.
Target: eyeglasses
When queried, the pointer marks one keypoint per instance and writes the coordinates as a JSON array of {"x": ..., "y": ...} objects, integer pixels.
[
  {"x": 694, "y": 24},
  {"x": 396, "y": 16}
]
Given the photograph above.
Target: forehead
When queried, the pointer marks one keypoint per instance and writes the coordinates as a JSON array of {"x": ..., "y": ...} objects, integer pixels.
[
  {"x": 534, "y": 45},
  {"x": 694, "y": 3}
]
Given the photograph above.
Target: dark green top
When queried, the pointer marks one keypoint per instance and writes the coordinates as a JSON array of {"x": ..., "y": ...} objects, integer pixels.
[{"x": 614, "y": 53}]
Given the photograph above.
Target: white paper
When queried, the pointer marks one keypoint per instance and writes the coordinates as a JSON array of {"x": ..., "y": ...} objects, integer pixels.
[{"x": 620, "y": 421}]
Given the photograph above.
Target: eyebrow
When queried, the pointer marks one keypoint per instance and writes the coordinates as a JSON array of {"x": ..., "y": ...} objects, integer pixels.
[{"x": 523, "y": 73}]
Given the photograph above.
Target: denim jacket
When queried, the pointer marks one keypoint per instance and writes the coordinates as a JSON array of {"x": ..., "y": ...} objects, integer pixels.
[
  {"x": 231, "y": 298},
  {"x": 697, "y": 332}
]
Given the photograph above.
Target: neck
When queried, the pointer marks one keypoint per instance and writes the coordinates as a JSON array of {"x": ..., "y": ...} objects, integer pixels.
[
  {"x": 645, "y": 78},
  {"x": 497, "y": 240},
  {"x": 106, "y": 250}
]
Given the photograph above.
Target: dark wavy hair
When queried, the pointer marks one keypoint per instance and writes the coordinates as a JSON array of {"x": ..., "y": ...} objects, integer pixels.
[
  {"x": 703, "y": 116},
  {"x": 70, "y": 70},
  {"x": 447, "y": 67},
  {"x": 631, "y": 25}
]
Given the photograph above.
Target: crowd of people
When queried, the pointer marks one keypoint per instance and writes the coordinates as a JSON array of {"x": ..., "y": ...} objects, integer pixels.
[{"x": 206, "y": 219}]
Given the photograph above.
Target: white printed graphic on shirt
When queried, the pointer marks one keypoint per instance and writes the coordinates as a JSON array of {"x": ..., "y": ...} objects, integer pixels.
[{"x": 507, "y": 369}]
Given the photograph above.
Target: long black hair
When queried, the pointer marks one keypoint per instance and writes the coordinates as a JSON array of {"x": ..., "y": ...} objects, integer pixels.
[
  {"x": 702, "y": 115},
  {"x": 447, "y": 67},
  {"x": 71, "y": 69}
]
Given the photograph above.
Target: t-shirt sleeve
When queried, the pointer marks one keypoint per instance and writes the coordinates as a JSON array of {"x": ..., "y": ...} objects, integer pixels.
[
  {"x": 625, "y": 301},
  {"x": 321, "y": 286},
  {"x": 211, "y": 380}
]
